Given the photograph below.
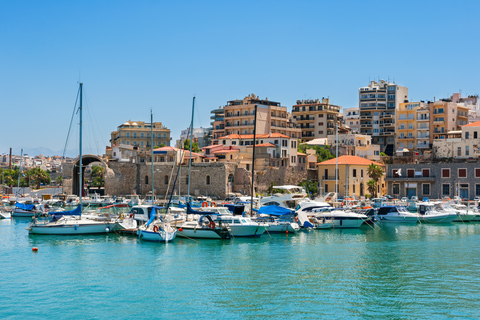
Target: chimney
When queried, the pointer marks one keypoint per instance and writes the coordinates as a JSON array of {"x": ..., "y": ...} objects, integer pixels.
[{"x": 10, "y": 161}]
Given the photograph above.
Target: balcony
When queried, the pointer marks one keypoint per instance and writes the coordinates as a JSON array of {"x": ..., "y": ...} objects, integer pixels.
[
  {"x": 366, "y": 117},
  {"x": 438, "y": 122},
  {"x": 329, "y": 178},
  {"x": 423, "y": 146},
  {"x": 410, "y": 179}
]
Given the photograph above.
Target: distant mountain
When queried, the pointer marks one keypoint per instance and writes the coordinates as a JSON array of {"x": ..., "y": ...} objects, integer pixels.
[{"x": 49, "y": 152}]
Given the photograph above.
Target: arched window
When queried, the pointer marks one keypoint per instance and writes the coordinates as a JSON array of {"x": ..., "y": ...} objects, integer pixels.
[
  {"x": 166, "y": 179},
  {"x": 208, "y": 180},
  {"x": 146, "y": 179}
]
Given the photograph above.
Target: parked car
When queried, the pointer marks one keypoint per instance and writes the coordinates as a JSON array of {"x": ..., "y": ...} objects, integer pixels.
[
  {"x": 404, "y": 199},
  {"x": 414, "y": 198}
]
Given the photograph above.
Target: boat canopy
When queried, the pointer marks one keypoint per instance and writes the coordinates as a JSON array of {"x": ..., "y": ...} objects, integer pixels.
[
  {"x": 75, "y": 212},
  {"x": 275, "y": 210},
  {"x": 23, "y": 206},
  {"x": 191, "y": 211}
]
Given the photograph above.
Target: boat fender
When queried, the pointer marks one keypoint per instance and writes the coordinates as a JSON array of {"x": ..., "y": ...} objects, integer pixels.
[
  {"x": 212, "y": 225},
  {"x": 155, "y": 228},
  {"x": 296, "y": 219},
  {"x": 204, "y": 204},
  {"x": 75, "y": 227},
  {"x": 107, "y": 229},
  {"x": 214, "y": 204},
  {"x": 131, "y": 215}
]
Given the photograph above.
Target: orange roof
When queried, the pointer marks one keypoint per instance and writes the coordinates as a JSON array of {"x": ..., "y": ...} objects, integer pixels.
[
  {"x": 258, "y": 136},
  {"x": 225, "y": 151},
  {"x": 351, "y": 160},
  {"x": 301, "y": 154},
  {"x": 264, "y": 145},
  {"x": 474, "y": 124}
]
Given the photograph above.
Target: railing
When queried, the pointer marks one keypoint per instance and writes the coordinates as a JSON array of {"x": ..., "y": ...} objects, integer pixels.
[{"x": 329, "y": 178}]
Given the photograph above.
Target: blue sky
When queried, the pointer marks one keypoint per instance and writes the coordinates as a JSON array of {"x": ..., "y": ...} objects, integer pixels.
[{"x": 133, "y": 56}]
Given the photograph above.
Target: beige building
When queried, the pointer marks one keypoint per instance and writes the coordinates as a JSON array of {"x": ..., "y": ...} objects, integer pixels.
[
  {"x": 238, "y": 118},
  {"x": 359, "y": 145},
  {"x": 412, "y": 126},
  {"x": 137, "y": 134},
  {"x": 378, "y": 103},
  {"x": 352, "y": 176},
  {"x": 459, "y": 144},
  {"x": 446, "y": 116},
  {"x": 316, "y": 119},
  {"x": 351, "y": 117}
]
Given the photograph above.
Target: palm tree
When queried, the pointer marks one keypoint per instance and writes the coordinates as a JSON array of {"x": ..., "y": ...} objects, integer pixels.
[
  {"x": 38, "y": 176},
  {"x": 375, "y": 172},
  {"x": 371, "y": 186}
]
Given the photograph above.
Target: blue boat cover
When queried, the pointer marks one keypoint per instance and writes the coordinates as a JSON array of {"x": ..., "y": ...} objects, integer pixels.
[
  {"x": 275, "y": 210},
  {"x": 23, "y": 206},
  {"x": 191, "y": 211},
  {"x": 152, "y": 217},
  {"x": 75, "y": 212}
]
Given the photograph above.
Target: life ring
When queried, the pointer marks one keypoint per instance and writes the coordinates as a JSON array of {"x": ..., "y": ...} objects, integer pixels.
[
  {"x": 342, "y": 204},
  {"x": 204, "y": 204},
  {"x": 122, "y": 216},
  {"x": 296, "y": 219},
  {"x": 211, "y": 225},
  {"x": 155, "y": 228},
  {"x": 213, "y": 204}
]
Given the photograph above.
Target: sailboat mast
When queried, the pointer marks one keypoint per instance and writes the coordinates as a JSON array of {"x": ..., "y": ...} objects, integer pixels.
[
  {"x": 19, "y": 173},
  {"x": 151, "y": 147},
  {"x": 80, "y": 183},
  {"x": 336, "y": 161},
  {"x": 253, "y": 158},
  {"x": 191, "y": 144}
]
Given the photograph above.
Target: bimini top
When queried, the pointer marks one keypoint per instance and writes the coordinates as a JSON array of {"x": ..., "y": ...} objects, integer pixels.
[
  {"x": 275, "y": 210},
  {"x": 23, "y": 206}
]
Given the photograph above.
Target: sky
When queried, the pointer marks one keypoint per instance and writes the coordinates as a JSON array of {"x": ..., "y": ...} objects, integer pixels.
[{"x": 137, "y": 56}]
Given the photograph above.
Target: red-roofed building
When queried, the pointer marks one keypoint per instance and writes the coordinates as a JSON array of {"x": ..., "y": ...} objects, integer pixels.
[{"x": 352, "y": 176}]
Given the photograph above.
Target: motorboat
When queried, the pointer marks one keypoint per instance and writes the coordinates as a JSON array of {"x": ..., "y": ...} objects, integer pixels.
[
  {"x": 396, "y": 214},
  {"x": 204, "y": 228},
  {"x": 71, "y": 223},
  {"x": 341, "y": 218},
  {"x": 240, "y": 226},
  {"x": 5, "y": 214},
  {"x": 142, "y": 213},
  {"x": 279, "y": 219},
  {"x": 157, "y": 229},
  {"x": 428, "y": 213},
  {"x": 462, "y": 211},
  {"x": 289, "y": 197}
]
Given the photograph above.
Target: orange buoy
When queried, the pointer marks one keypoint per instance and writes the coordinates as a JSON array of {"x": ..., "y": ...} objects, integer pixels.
[
  {"x": 34, "y": 249},
  {"x": 180, "y": 229}
]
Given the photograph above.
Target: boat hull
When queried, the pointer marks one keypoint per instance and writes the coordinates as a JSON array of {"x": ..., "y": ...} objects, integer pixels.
[
  {"x": 202, "y": 233},
  {"x": 5, "y": 215},
  {"x": 397, "y": 219},
  {"x": 71, "y": 229},
  {"x": 248, "y": 231},
  {"x": 160, "y": 236},
  {"x": 440, "y": 218},
  {"x": 22, "y": 213},
  {"x": 346, "y": 223},
  {"x": 283, "y": 228}
]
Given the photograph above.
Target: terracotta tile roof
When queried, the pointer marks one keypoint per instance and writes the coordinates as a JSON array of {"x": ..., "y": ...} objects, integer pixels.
[
  {"x": 264, "y": 145},
  {"x": 225, "y": 151},
  {"x": 351, "y": 160},
  {"x": 258, "y": 136},
  {"x": 301, "y": 154},
  {"x": 474, "y": 124}
]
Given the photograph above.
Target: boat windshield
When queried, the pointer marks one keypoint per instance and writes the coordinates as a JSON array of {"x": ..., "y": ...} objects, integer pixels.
[{"x": 402, "y": 210}]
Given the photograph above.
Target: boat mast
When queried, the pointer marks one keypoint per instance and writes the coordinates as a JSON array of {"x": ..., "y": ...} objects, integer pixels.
[
  {"x": 80, "y": 157},
  {"x": 191, "y": 144},
  {"x": 336, "y": 161},
  {"x": 19, "y": 173},
  {"x": 151, "y": 152},
  {"x": 253, "y": 158}
]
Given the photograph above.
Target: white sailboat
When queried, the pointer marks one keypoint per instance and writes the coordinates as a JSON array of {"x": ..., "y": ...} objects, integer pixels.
[
  {"x": 21, "y": 209},
  {"x": 71, "y": 222}
]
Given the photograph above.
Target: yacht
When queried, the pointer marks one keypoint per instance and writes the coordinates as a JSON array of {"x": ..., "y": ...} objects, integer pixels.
[
  {"x": 288, "y": 198},
  {"x": 340, "y": 218},
  {"x": 204, "y": 228},
  {"x": 429, "y": 213},
  {"x": 464, "y": 214},
  {"x": 279, "y": 219},
  {"x": 395, "y": 214}
]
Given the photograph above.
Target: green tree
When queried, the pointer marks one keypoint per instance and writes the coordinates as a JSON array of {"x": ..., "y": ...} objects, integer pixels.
[
  {"x": 186, "y": 145},
  {"x": 160, "y": 146},
  {"x": 37, "y": 176},
  {"x": 371, "y": 186},
  {"x": 322, "y": 153},
  {"x": 375, "y": 172},
  {"x": 98, "y": 176},
  {"x": 310, "y": 187},
  {"x": 59, "y": 180}
]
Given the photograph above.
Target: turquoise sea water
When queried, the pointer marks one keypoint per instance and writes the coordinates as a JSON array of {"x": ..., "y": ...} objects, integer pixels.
[{"x": 392, "y": 272}]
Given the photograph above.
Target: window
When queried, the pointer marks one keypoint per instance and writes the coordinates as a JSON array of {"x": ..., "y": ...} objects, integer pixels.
[
  {"x": 425, "y": 172},
  {"x": 326, "y": 188},
  {"x": 134, "y": 134},
  {"x": 353, "y": 189},
  {"x": 445, "y": 189},
  {"x": 325, "y": 173},
  {"x": 207, "y": 180},
  {"x": 467, "y": 134},
  {"x": 477, "y": 173},
  {"x": 426, "y": 189},
  {"x": 320, "y": 115},
  {"x": 410, "y": 173},
  {"x": 320, "y": 123},
  {"x": 445, "y": 173},
  {"x": 165, "y": 180},
  {"x": 141, "y": 135},
  {"x": 128, "y": 134},
  {"x": 396, "y": 188},
  {"x": 467, "y": 151},
  {"x": 477, "y": 190},
  {"x": 462, "y": 173},
  {"x": 474, "y": 135},
  {"x": 459, "y": 151},
  {"x": 146, "y": 179},
  {"x": 354, "y": 173},
  {"x": 361, "y": 173}
]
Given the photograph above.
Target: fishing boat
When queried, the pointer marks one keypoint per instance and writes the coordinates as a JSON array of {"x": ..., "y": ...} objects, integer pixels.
[{"x": 396, "y": 214}]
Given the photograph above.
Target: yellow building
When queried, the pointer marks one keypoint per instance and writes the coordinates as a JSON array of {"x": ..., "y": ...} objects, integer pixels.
[
  {"x": 352, "y": 176},
  {"x": 446, "y": 116},
  {"x": 412, "y": 126},
  {"x": 137, "y": 134}
]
